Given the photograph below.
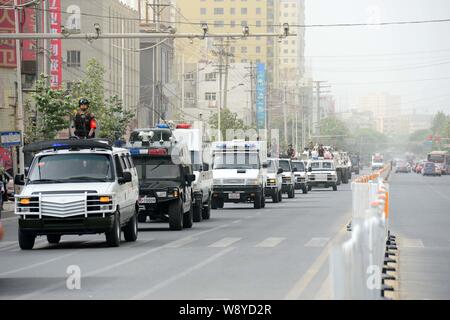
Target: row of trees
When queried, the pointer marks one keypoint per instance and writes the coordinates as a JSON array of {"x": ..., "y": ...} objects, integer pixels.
[{"x": 52, "y": 110}]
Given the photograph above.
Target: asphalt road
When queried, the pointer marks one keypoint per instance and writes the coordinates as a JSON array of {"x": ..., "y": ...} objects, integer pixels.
[
  {"x": 279, "y": 252},
  {"x": 420, "y": 218}
]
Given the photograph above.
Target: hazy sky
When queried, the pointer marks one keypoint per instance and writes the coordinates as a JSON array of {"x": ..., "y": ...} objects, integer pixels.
[{"x": 390, "y": 58}]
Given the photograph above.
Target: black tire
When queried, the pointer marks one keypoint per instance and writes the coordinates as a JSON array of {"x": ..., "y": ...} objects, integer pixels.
[
  {"x": 257, "y": 203},
  {"x": 280, "y": 195},
  {"x": 291, "y": 193},
  {"x": 53, "y": 238},
  {"x": 176, "y": 216},
  {"x": 188, "y": 219},
  {"x": 130, "y": 231},
  {"x": 198, "y": 212},
  {"x": 113, "y": 235},
  {"x": 305, "y": 190},
  {"x": 309, "y": 188},
  {"x": 276, "y": 197},
  {"x": 214, "y": 204},
  {"x": 263, "y": 201},
  {"x": 334, "y": 188},
  {"x": 142, "y": 217},
  {"x": 206, "y": 211},
  {"x": 221, "y": 204},
  {"x": 26, "y": 241}
]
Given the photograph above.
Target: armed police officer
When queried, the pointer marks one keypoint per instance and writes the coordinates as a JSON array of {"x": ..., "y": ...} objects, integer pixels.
[{"x": 84, "y": 121}]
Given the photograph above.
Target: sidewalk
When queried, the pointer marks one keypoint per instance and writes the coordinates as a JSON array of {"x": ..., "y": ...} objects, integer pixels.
[{"x": 8, "y": 210}]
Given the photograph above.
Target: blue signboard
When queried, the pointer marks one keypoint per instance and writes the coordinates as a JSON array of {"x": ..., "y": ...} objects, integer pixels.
[
  {"x": 10, "y": 138},
  {"x": 260, "y": 96}
]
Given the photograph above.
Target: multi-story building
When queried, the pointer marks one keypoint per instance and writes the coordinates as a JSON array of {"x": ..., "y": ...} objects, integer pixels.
[
  {"x": 382, "y": 105},
  {"x": 121, "y": 79}
]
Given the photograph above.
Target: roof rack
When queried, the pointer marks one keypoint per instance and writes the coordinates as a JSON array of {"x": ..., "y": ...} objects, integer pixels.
[{"x": 67, "y": 144}]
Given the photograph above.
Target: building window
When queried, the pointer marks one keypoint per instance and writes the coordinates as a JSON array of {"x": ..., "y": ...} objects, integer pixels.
[
  {"x": 243, "y": 10},
  {"x": 189, "y": 96},
  {"x": 73, "y": 58},
  {"x": 212, "y": 76},
  {"x": 233, "y": 23},
  {"x": 244, "y": 61},
  {"x": 202, "y": 11},
  {"x": 233, "y": 11},
  {"x": 258, "y": 23},
  {"x": 232, "y": 49},
  {"x": 218, "y": 11},
  {"x": 243, "y": 49},
  {"x": 189, "y": 76},
  {"x": 258, "y": 49},
  {"x": 244, "y": 23},
  {"x": 258, "y": 10},
  {"x": 210, "y": 96},
  {"x": 219, "y": 24}
]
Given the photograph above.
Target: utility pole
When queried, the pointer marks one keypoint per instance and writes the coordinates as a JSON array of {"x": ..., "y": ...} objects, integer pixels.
[
  {"x": 318, "y": 111},
  {"x": 19, "y": 112},
  {"x": 227, "y": 59},
  {"x": 182, "y": 82},
  {"x": 123, "y": 68},
  {"x": 252, "y": 91},
  {"x": 285, "y": 116},
  {"x": 45, "y": 28}
]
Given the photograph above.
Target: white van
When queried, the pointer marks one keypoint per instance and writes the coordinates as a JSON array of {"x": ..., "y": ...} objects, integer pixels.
[{"x": 76, "y": 187}]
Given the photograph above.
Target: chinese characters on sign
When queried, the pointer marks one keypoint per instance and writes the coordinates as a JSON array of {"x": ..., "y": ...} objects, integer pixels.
[
  {"x": 7, "y": 47},
  {"x": 260, "y": 96},
  {"x": 55, "y": 45}
]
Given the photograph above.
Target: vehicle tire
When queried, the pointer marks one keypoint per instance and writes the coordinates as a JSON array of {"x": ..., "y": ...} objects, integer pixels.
[
  {"x": 257, "y": 203},
  {"x": 309, "y": 188},
  {"x": 357, "y": 172},
  {"x": 206, "y": 211},
  {"x": 221, "y": 204},
  {"x": 334, "y": 188},
  {"x": 26, "y": 241},
  {"x": 142, "y": 217},
  {"x": 344, "y": 178},
  {"x": 280, "y": 195},
  {"x": 113, "y": 235},
  {"x": 263, "y": 201},
  {"x": 214, "y": 204},
  {"x": 291, "y": 193},
  {"x": 176, "y": 216},
  {"x": 130, "y": 231},
  {"x": 53, "y": 238},
  {"x": 198, "y": 212},
  {"x": 305, "y": 190},
  {"x": 188, "y": 219},
  {"x": 276, "y": 197}
]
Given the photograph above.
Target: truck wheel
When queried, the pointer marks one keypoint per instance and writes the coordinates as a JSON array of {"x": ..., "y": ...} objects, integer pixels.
[
  {"x": 198, "y": 212},
  {"x": 176, "y": 216},
  {"x": 53, "y": 238},
  {"x": 130, "y": 231},
  {"x": 206, "y": 212},
  {"x": 257, "y": 203},
  {"x": 113, "y": 235},
  {"x": 276, "y": 197},
  {"x": 188, "y": 219},
  {"x": 305, "y": 190},
  {"x": 263, "y": 201},
  {"x": 214, "y": 204},
  {"x": 221, "y": 203},
  {"x": 291, "y": 193},
  {"x": 309, "y": 188},
  {"x": 334, "y": 188},
  {"x": 142, "y": 217},
  {"x": 26, "y": 241}
]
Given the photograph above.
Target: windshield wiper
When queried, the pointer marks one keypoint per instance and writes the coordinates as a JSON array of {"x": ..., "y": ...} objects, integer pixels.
[
  {"x": 158, "y": 165},
  {"x": 85, "y": 178},
  {"x": 46, "y": 181}
]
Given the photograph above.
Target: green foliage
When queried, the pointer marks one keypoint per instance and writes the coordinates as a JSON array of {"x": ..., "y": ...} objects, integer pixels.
[
  {"x": 49, "y": 115},
  {"x": 228, "y": 120},
  {"x": 115, "y": 119},
  {"x": 336, "y": 129}
]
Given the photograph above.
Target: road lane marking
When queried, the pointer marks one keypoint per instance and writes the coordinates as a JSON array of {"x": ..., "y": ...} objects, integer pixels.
[
  {"x": 237, "y": 221},
  {"x": 297, "y": 290},
  {"x": 180, "y": 243},
  {"x": 174, "y": 278},
  {"x": 112, "y": 266},
  {"x": 5, "y": 244},
  {"x": 324, "y": 292},
  {"x": 410, "y": 243},
  {"x": 270, "y": 242},
  {"x": 223, "y": 243},
  {"x": 317, "y": 242}
]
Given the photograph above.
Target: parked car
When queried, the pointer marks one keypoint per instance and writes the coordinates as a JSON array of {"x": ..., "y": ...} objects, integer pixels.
[
  {"x": 402, "y": 166},
  {"x": 431, "y": 169}
]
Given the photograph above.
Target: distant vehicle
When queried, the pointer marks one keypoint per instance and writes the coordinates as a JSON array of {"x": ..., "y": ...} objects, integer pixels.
[
  {"x": 442, "y": 158},
  {"x": 288, "y": 178},
  {"x": 356, "y": 164},
  {"x": 431, "y": 169},
  {"x": 77, "y": 187},
  {"x": 300, "y": 174},
  {"x": 274, "y": 180},
  {"x": 322, "y": 174},
  {"x": 377, "y": 161},
  {"x": 402, "y": 166},
  {"x": 419, "y": 166}
]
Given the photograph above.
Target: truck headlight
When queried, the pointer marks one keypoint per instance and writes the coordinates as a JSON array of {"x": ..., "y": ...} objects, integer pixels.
[
  {"x": 161, "y": 194},
  {"x": 271, "y": 181},
  {"x": 24, "y": 201},
  {"x": 175, "y": 193},
  {"x": 252, "y": 182}
]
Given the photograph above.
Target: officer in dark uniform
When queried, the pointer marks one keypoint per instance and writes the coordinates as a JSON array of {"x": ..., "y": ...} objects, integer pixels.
[{"x": 84, "y": 121}]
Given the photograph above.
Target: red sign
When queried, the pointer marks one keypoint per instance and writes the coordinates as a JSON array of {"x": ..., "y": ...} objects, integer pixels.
[
  {"x": 7, "y": 46},
  {"x": 28, "y": 25},
  {"x": 55, "y": 45}
]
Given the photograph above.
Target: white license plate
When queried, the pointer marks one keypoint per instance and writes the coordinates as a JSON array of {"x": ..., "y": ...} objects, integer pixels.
[
  {"x": 147, "y": 200},
  {"x": 321, "y": 177},
  {"x": 234, "y": 196}
]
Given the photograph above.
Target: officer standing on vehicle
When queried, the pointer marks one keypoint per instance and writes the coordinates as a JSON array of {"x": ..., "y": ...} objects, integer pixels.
[{"x": 84, "y": 121}]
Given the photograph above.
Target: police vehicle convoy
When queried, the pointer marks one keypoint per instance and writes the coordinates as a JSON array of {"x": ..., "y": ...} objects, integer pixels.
[
  {"x": 165, "y": 176},
  {"x": 200, "y": 159},
  {"x": 300, "y": 175},
  {"x": 322, "y": 174},
  {"x": 274, "y": 180},
  {"x": 239, "y": 172},
  {"x": 77, "y": 187},
  {"x": 288, "y": 177}
]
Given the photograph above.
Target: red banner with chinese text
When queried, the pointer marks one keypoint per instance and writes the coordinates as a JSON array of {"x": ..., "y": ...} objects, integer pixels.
[{"x": 55, "y": 45}]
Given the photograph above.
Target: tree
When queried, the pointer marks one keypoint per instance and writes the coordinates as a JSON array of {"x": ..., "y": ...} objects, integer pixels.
[
  {"x": 335, "y": 129},
  {"x": 115, "y": 119},
  {"x": 439, "y": 128},
  {"x": 228, "y": 120},
  {"x": 50, "y": 113}
]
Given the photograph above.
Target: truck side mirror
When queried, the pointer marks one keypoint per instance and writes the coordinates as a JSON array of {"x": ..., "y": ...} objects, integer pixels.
[
  {"x": 27, "y": 169},
  {"x": 126, "y": 177},
  {"x": 205, "y": 167},
  {"x": 264, "y": 165},
  {"x": 190, "y": 178},
  {"x": 309, "y": 169},
  {"x": 294, "y": 169},
  {"x": 19, "y": 180},
  {"x": 280, "y": 171}
]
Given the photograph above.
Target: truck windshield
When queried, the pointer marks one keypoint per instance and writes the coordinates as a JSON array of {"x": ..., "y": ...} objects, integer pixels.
[
  {"x": 59, "y": 168},
  {"x": 285, "y": 165},
  {"x": 151, "y": 169},
  {"x": 271, "y": 166},
  {"x": 298, "y": 165},
  {"x": 321, "y": 166},
  {"x": 236, "y": 161}
]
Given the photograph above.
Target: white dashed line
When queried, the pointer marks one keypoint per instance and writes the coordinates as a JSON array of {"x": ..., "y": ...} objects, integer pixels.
[
  {"x": 270, "y": 242},
  {"x": 317, "y": 242},
  {"x": 223, "y": 243}
]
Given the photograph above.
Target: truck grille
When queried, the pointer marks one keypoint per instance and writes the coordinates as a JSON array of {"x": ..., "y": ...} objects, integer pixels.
[
  {"x": 63, "y": 209},
  {"x": 233, "y": 181}
]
